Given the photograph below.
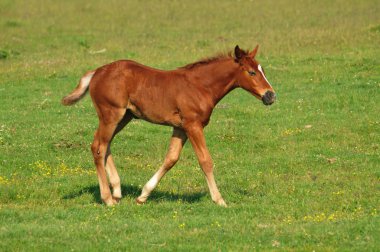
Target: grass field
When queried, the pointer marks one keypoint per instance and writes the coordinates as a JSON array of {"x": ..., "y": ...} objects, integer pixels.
[{"x": 300, "y": 175}]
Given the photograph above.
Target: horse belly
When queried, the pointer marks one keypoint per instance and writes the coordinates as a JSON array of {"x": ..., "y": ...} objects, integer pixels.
[{"x": 156, "y": 112}]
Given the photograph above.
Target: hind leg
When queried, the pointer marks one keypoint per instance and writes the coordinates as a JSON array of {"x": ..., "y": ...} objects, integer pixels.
[
  {"x": 110, "y": 165},
  {"x": 113, "y": 178},
  {"x": 108, "y": 124},
  {"x": 99, "y": 151}
]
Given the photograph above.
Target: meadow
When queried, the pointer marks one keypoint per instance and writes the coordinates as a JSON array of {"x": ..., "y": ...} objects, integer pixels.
[{"x": 300, "y": 175}]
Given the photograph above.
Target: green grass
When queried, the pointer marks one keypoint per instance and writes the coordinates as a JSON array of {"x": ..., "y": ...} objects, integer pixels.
[{"x": 302, "y": 174}]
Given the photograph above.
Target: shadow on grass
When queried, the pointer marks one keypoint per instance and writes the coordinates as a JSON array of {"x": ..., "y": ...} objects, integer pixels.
[{"x": 134, "y": 191}]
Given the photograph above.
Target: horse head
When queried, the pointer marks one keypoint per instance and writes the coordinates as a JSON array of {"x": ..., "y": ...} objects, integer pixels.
[{"x": 251, "y": 76}]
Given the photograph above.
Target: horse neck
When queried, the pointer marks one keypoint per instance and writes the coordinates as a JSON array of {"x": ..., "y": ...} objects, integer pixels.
[{"x": 218, "y": 77}]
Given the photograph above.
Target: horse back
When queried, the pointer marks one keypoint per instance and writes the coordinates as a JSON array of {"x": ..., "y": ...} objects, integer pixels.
[{"x": 154, "y": 95}]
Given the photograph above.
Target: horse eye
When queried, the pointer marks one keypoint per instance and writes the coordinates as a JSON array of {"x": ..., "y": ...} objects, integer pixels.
[{"x": 252, "y": 73}]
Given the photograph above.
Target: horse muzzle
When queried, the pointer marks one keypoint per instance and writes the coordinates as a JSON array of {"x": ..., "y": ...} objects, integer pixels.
[{"x": 268, "y": 98}]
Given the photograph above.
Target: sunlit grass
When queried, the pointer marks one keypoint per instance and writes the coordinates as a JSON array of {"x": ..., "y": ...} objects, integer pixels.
[{"x": 302, "y": 174}]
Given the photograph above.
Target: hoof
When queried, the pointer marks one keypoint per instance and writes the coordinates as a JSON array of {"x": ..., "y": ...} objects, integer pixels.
[
  {"x": 139, "y": 202},
  {"x": 112, "y": 201},
  {"x": 116, "y": 199},
  {"x": 221, "y": 203}
]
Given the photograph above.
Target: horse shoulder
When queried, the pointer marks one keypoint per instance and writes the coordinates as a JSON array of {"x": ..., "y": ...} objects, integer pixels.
[{"x": 195, "y": 103}]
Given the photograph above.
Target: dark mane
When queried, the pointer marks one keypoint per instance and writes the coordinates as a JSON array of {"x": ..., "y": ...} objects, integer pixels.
[{"x": 206, "y": 61}]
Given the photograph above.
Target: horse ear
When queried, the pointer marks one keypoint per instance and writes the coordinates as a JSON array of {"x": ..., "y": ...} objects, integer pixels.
[
  {"x": 254, "y": 52},
  {"x": 239, "y": 53}
]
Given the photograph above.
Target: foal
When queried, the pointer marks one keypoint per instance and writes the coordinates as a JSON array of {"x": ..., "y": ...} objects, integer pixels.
[{"x": 183, "y": 98}]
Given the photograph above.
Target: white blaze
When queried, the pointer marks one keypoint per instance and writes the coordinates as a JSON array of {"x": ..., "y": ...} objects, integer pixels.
[{"x": 262, "y": 72}]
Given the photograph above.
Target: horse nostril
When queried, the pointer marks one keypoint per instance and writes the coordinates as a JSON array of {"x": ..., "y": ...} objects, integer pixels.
[{"x": 269, "y": 97}]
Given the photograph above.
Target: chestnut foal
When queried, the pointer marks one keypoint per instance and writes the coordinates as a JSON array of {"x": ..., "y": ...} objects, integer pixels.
[{"x": 183, "y": 98}]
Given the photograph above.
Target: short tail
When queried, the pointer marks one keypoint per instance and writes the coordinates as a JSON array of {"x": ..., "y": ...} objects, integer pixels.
[{"x": 79, "y": 91}]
